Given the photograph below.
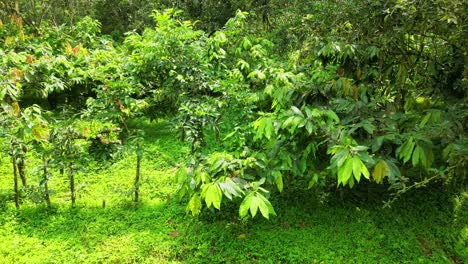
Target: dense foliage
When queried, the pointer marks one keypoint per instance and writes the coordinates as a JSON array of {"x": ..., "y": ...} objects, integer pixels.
[
  {"x": 301, "y": 93},
  {"x": 275, "y": 102}
]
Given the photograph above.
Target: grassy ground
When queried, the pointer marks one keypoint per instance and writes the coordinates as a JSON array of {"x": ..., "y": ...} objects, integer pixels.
[{"x": 310, "y": 228}]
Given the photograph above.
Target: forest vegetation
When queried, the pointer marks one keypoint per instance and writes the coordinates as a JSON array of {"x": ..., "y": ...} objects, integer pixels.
[{"x": 205, "y": 131}]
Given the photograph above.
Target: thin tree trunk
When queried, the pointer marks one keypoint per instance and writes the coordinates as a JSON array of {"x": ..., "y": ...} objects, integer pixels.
[
  {"x": 15, "y": 178},
  {"x": 21, "y": 171},
  {"x": 72, "y": 185},
  {"x": 137, "y": 179},
  {"x": 46, "y": 182}
]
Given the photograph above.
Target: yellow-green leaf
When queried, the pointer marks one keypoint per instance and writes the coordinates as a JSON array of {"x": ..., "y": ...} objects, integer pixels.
[
  {"x": 381, "y": 170},
  {"x": 345, "y": 171},
  {"x": 279, "y": 181},
  {"x": 364, "y": 171},
  {"x": 253, "y": 205},
  {"x": 357, "y": 164},
  {"x": 213, "y": 196},
  {"x": 245, "y": 205},
  {"x": 194, "y": 205}
]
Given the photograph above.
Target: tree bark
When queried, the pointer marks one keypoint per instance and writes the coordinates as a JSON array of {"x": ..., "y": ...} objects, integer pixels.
[
  {"x": 46, "y": 182},
  {"x": 21, "y": 171},
  {"x": 15, "y": 178},
  {"x": 137, "y": 179},
  {"x": 72, "y": 184}
]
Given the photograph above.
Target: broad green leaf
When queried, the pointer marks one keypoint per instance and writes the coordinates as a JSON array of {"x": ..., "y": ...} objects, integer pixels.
[
  {"x": 230, "y": 188},
  {"x": 345, "y": 171},
  {"x": 364, "y": 171},
  {"x": 357, "y": 164},
  {"x": 351, "y": 182},
  {"x": 256, "y": 74},
  {"x": 425, "y": 119},
  {"x": 245, "y": 205},
  {"x": 288, "y": 122},
  {"x": 313, "y": 180},
  {"x": 194, "y": 205},
  {"x": 279, "y": 181},
  {"x": 269, "y": 207},
  {"x": 181, "y": 175},
  {"x": 377, "y": 143},
  {"x": 254, "y": 205},
  {"x": 303, "y": 164},
  {"x": 213, "y": 196},
  {"x": 368, "y": 127},
  {"x": 449, "y": 149},
  {"x": 407, "y": 150},
  {"x": 297, "y": 111},
  {"x": 341, "y": 157},
  {"x": 217, "y": 164},
  {"x": 416, "y": 156},
  {"x": 309, "y": 127},
  {"x": 394, "y": 172},
  {"x": 419, "y": 157},
  {"x": 263, "y": 208},
  {"x": 381, "y": 170}
]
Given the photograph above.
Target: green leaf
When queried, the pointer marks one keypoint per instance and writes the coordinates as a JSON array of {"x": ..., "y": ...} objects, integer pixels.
[
  {"x": 254, "y": 205},
  {"x": 341, "y": 157},
  {"x": 419, "y": 157},
  {"x": 394, "y": 172},
  {"x": 279, "y": 181},
  {"x": 309, "y": 127},
  {"x": 269, "y": 129},
  {"x": 313, "y": 180},
  {"x": 357, "y": 164},
  {"x": 368, "y": 127},
  {"x": 345, "y": 171},
  {"x": 269, "y": 207},
  {"x": 213, "y": 196},
  {"x": 416, "y": 156},
  {"x": 425, "y": 119},
  {"x": 381, "y": 170},
  {"x": 297, "y": 111},
  {"x": 263, "y": 208},
  {"x": 264, "y": 127},
  {"x": 230, "y": 188},
  {"x": 194, "y": 205},
  {"x": 351, "y": 182},
  {"x": 448, "y": 150},
  {"x": 181, "y": 175},
  {"x": 364, "y": 171},
  {"x": 288, "y": 122},
  {"x": 406, "y": 150},
  {"x": 245, "y": 205},
  {"x": 377, "y": 143}
]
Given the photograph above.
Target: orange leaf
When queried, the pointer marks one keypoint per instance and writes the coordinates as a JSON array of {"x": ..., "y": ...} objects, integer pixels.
[{"x": 174, "y": 234}]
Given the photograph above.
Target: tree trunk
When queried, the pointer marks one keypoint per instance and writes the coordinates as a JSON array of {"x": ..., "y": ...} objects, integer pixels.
[
  {"x": 21, "y": 171},
  {"x": 137, "y": 179},
  {"x": 72, "y": 184},
  {"x": 46, "y": 184},
  {"x": 15, "y": 178}
]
